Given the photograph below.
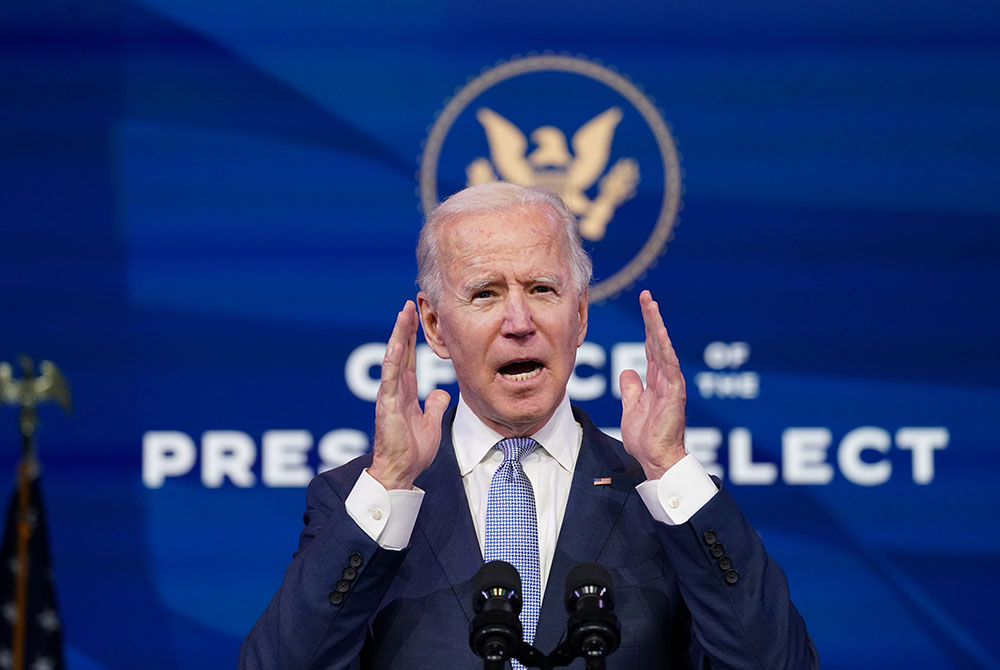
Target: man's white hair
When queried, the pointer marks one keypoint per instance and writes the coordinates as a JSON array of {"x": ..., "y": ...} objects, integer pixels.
[{"x": 497, "y": 197}]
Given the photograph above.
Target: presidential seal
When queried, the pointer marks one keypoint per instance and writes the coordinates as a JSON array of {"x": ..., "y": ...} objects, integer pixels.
[{"x": 579, "y": 129}]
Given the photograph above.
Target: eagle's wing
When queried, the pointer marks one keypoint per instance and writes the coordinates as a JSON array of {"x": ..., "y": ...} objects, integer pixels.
[
  {"x": 51, "y": 384},
  {"x": 8, "y": 387},
  {"x": 508, "y": 147},
  {"x": 592, "y": 148}
]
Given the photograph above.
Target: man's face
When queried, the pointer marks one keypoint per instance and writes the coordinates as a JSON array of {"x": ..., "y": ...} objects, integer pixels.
[{"x": 510, "y": 318}]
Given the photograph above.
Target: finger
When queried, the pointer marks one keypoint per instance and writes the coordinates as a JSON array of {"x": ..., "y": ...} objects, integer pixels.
[
  {"x": 435, "y": 405},
  {"x": 631, "y": 387},
  {"x": 653, "y": 323},
  {"x": 658, "y": 344},
  {"x": 401, "y": 328},
  {"x": 655, "y": 328},
  {"x": 653, "y": 365},
  {"x": 394, "y": 352},
  {"x": 645, "y": 300},
  {"x": 671, "y": 364},
  {"x": 411, "y": 339},
  {"x": 652, "y": 377}
]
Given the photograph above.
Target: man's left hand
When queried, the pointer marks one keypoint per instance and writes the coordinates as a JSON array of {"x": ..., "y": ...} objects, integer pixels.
[{"x": 653, "y": 417}]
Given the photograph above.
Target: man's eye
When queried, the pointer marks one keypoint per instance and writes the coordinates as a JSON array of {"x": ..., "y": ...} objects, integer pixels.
[
  {"x": 484, "y": 294},
  {"x": 543, "y": 289}
]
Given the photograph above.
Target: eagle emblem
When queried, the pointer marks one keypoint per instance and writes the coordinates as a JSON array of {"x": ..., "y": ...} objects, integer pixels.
[{"x": 550, "y": 164}]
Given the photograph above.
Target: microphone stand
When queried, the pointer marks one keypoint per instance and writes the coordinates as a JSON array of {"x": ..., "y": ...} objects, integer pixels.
[
  {"x": 560, "y": 656},
  {"x": 531, "y": 657}
]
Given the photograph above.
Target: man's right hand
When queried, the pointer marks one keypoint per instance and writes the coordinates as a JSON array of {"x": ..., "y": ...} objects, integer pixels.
[{"x": 406, "y": 438}]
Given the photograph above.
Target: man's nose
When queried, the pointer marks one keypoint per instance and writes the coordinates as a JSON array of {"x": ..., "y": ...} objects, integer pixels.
[{"x": 517, "y": 319}]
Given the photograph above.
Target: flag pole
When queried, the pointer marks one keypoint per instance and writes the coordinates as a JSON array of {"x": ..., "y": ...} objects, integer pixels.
[
  {"x": 27, "y": 393},
  {"x": 24, "y": 530}
]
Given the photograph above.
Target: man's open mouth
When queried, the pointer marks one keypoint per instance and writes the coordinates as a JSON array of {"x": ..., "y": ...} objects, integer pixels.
[{"x": 520, "y": 371}]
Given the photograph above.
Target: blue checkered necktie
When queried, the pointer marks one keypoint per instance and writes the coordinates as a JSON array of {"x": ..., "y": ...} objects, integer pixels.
[{"x": 512, "y": 528}]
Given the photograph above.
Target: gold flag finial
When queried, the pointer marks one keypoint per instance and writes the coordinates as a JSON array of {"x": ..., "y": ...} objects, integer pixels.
[{"x": 31, "y": 390}]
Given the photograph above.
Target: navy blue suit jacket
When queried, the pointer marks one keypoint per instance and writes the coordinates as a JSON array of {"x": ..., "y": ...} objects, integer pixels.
[{"x": 412, "y": 608}]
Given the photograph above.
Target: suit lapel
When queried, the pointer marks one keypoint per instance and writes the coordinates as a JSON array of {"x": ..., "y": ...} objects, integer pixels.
[
  {"x": 591, "y": 513},
  {"x": 446, "y": 522}
]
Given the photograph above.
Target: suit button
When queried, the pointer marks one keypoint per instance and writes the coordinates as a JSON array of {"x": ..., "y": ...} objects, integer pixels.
[
  {"x": 725, "y": 563},
  {"x": 718, "y": 550},
  {"x": 732, "y": 576},
  {"x": 350, "y": 573},
  {"x": 343, "y": 585},
  {"x": 355, "y": 560},
  {"x": 710, "y": 537},
  {"x": 336, "y": 597}
]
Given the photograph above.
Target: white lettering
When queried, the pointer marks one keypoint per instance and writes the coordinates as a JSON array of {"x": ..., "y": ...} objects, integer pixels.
[
  {"x": 856, "y": 469},
  {"x": 227, "y": 453},
  {"x": 922, "y": 442},
  {"x": 340, "y": 446},
  {"x": 703, "y": 444},
  {"x": 742, "y": 469},
  {"x": 627, "y": 356},
  {"x": 803, "y": 456},
  {"x": 728, "y": 384},
  {"x": 592, "y": 387},
  {"x": 165, "y": 453},
  {"x": 358, "y": 370},
  {"x": 719, "y": 355},
  {"x": 285, "y": 457}
]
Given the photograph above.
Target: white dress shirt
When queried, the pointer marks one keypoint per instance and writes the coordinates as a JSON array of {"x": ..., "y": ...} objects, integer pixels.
[
  {"x": 388, "y": 517},
  {"x": 549, "y": 469}
]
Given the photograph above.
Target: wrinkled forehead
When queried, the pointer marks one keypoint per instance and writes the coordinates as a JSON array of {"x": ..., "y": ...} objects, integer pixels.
[{"x": 511, "y": 228}]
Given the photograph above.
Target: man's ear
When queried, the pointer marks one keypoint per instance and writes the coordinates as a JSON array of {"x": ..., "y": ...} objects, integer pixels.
[
  {"x": 432, "y": 326},
  {"x": 583, "y": 307}
]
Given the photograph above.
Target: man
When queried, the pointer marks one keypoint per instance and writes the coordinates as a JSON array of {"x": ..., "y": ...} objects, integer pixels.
[{"x": 383, "y": 574}]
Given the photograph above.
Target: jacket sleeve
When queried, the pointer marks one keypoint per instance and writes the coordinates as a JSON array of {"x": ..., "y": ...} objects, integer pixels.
[
  {"x": 741, "y": 612},
  {"x": 338, "y": 576}
]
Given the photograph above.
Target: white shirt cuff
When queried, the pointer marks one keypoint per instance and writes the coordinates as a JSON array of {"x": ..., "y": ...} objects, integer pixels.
[
  {"x": 388, "y": 517},
  {"x": 682, "y": 490}
]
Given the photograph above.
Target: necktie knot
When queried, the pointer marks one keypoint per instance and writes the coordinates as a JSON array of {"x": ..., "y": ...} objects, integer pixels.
[{"x": 516, "y": 448}]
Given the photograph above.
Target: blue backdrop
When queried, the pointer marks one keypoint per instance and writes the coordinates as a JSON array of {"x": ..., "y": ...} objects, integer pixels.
[{"x": 208, "y": 209}]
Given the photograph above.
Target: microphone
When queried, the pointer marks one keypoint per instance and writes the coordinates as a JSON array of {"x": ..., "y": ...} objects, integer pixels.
[
  {"x": 496, "y": 631},
  {"x": 592, "y": 630}
]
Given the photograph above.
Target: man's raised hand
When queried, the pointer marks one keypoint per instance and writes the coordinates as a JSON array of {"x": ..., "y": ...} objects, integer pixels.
[
  {"x": 406, "y": 438},
  {"x": 653, "y": 417}
]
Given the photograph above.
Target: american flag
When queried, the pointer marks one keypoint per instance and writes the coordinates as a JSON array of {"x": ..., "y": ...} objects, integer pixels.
[{"x": 42, "y": 633}]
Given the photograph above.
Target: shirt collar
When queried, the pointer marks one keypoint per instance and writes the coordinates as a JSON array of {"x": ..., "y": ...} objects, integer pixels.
[{"x": 473, "y": 439}]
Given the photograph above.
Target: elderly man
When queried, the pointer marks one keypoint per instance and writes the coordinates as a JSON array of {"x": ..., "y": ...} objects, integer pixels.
[{"x": 383, "y": 574}]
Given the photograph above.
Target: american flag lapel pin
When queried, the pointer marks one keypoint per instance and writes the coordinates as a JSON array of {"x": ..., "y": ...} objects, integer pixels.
[{"x": 602, "y": 481}]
